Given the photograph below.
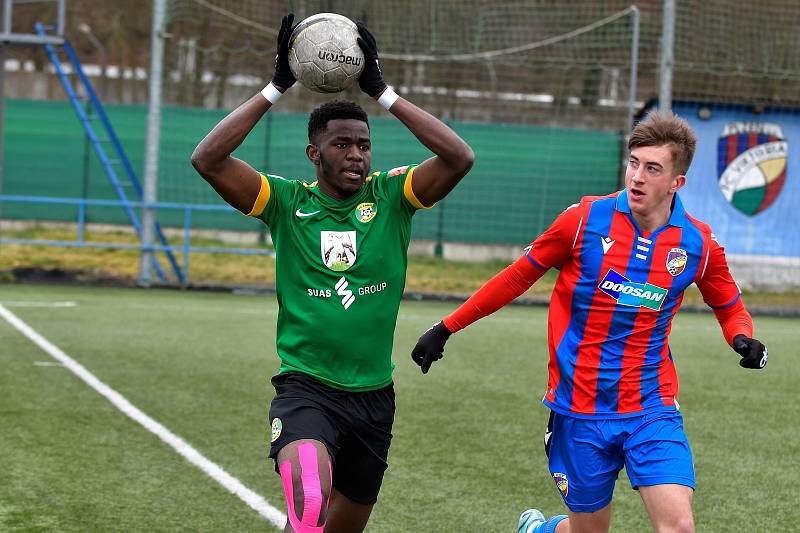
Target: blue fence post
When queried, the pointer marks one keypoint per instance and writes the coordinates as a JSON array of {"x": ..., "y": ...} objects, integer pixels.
[
  {"x": 187, "y": 222},
  {"x": 81, "y": 218}
]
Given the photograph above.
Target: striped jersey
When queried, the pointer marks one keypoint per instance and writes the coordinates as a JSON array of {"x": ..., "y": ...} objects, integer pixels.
[{"x": 614, "y": 300}]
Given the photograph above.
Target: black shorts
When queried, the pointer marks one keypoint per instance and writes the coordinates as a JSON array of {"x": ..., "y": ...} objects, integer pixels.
[{"x": 356, "y": 427}]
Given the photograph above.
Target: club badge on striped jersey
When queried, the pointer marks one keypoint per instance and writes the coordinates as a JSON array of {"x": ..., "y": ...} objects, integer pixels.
[
  {"x": 366, "y": 212},
  {"x": 751, "y": 164},
  {"x": 676, "y": 261},
  {"x": 338, "y": 249},
  {"x": 561, "y": 482}
]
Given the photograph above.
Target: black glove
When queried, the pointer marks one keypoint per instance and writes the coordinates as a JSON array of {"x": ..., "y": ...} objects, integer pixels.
[
  {"x": 371, "y": 79},
  {"x": 754, "y": 354},
  {"x": 430, "y": 346},
  {"x": 283, "y": 77}
]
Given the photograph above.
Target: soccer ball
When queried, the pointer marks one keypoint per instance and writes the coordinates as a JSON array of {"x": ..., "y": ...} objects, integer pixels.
[{"x": 323, "y": 53}]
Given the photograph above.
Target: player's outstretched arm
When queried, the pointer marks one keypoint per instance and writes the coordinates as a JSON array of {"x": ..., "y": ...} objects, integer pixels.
[
  {"x": 437, "y": 176},
  {"x": 504, "y": 287},
  {"x": 234, "y": 180}
]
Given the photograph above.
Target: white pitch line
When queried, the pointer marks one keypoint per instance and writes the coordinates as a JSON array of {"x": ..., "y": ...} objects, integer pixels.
[
  {"x": 233, "y": 485},
  {"x": 40, "y": 304}
]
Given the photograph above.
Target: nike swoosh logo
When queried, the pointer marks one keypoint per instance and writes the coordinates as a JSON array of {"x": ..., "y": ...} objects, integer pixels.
[{"x": 301, "y": 214}]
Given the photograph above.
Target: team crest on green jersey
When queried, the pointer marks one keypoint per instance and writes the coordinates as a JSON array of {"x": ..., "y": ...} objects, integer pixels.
[
  {"x": 366, "y": 212},
  {"x": 338, "y": 249}
]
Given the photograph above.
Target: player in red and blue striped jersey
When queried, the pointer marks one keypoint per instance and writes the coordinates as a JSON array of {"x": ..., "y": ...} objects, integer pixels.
[{"x": 625, "y": 261}]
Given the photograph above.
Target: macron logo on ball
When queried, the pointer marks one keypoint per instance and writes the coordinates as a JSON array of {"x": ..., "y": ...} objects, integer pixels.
[{"x": 632, "y": 294}]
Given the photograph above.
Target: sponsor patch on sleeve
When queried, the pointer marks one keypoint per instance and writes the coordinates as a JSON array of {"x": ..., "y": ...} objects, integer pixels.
[{"x": 397, "y": 171}]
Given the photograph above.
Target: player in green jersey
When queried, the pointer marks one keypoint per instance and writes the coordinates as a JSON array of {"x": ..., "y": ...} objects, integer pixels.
[{"x": 341, "y": 245}]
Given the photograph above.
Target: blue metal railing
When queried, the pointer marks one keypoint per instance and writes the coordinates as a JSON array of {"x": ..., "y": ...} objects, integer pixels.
[
  {"x": 106, "y": 162},
  {"x": 80, "y": 242}
]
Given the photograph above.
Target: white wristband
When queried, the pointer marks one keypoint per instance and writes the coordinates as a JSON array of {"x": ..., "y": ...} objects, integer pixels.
[
  {"x": 388, "y": 98},
  {"x": 271, "y": 93}
]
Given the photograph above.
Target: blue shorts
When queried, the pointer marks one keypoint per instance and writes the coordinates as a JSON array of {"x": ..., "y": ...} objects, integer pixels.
[{"x": 585, "y": 455}]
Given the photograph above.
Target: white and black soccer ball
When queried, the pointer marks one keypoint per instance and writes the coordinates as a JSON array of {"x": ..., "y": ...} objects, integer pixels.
[{"x": 324, "y": 54}]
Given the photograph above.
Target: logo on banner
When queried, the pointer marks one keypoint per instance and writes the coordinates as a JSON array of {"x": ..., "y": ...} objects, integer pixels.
[
  {"x": 338, "y": 249},
  {"x": 752, "y": 165}
]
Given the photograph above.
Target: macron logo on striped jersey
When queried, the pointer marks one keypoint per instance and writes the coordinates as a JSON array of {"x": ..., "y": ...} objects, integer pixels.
[
  {"x": 626, "y": 292},
  {"x": 607, "y": 242}
]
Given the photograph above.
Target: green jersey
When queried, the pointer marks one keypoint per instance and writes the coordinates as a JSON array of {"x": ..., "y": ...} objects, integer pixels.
[{"x": 340, "y": 274}]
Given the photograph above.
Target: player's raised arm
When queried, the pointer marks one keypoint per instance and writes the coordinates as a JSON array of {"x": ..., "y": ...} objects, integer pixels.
[
  {"x": 437, "y": 176},
  {"x": 234, "y": 180}
]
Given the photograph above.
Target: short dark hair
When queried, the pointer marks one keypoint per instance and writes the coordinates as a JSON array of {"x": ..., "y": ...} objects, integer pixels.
[
  {"x": 666, "y": 129},
  {"x": 335, "y": 109}
]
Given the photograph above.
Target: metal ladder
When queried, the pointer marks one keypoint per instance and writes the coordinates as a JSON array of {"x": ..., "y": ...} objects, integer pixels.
[{"x": 111, "y": 139}]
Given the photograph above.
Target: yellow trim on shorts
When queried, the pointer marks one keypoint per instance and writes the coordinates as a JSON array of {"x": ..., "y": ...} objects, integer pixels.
[
  {"x": 409, "y": 193},
  {"x": 262, "y": 199}
]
